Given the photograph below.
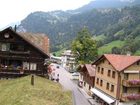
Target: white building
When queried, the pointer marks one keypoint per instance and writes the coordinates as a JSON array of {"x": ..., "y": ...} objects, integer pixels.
[{"x": 68, "y": 60}]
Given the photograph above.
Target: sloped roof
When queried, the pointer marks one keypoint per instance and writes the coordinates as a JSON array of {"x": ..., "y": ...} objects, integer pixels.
[
  {"x": 30, "y": 38},
  {"x": 119, "y": 62},
  {"x": 91, "y": 69},
  {"x": 39, "y": 40}
]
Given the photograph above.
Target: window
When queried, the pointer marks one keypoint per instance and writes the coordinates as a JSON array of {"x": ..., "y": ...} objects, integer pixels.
[
  {"x": 108, "y": 74},
  {"x": 32, "y": 66},
  {"x": 25, "y": 65},
  {"x": 138, "y": 63},
  {"x": 125, "y": 76},
  {"x": 4, "y": 46},
  {"x": 89, "y": 88},
  {"x": 124, "y": 89},
  {"x": 90, "y": 78},
  {"x": 113, "y": 74},
  {"x": 112, "y": 88},
  {"x": 84, "y": 83},
  {"x": 102, "y": 71},
  {"x": 103, "y": 61},
  {"x": 107, "y": 86},
  {"x": 98, "y": 69},
  {"x": 97, "y": 81},
  {"x": 101, "y": 82}
]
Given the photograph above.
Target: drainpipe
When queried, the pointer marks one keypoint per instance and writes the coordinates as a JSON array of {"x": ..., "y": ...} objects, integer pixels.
[{"x": 118, "y": 87}]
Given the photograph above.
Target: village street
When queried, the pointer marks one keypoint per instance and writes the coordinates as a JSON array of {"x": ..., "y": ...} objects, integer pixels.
[{"x": 68, "y": 84}]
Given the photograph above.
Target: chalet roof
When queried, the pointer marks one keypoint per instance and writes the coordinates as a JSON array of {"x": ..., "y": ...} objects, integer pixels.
[
  {"x": 119, "y": 62},
  {"x": 39, "y": 40},
  {"x": 32, "y": 39},
  {"x": 90, "y": 69}
]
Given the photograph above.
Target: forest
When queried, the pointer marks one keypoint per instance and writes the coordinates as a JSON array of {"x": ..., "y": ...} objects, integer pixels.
[{"x": 107, "y": 26}]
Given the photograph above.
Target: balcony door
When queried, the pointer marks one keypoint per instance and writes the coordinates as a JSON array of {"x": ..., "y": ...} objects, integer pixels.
[
  {"x": 126, "y": 76},
  {"x": 124, "y": 89}
]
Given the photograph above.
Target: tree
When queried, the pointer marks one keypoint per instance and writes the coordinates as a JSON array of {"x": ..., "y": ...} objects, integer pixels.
[
  {"x": 84, "y": 47},
  {"x": 116, "y": 50}
]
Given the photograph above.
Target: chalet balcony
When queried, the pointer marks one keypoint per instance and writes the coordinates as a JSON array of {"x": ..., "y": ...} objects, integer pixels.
[
  {"x": 19, "y": 52},
  {"x": 13, "y": 73},
  {"x": 130, "y": 97},
  {"x": 131, "y": 83},
  {"x": 11, "y": 52}
]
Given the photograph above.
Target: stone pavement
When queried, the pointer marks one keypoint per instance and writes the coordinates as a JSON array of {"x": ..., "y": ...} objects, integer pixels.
[{"x": 89, "y": 98}]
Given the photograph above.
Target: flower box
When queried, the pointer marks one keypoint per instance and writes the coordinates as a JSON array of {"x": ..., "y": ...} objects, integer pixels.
[
  {"x": 133, "y": 97},
  {"x": 134, "y": 82}
]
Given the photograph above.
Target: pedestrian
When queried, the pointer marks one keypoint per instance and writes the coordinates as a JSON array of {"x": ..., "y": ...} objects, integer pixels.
[
  {"x": 57, "y": 79},
  {"x": 53, "y": 75}
]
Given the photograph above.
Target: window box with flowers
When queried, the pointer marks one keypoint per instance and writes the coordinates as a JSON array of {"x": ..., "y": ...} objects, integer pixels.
[
  {"x": 134, "y": 82},
  {"x": 133, "y": 97}
]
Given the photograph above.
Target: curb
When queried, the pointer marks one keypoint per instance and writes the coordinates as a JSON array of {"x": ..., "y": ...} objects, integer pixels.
[
  {"x": 89, "y": 99},
  {"x": 73, "y": 98},
  {"x": 84, "y": 93}
]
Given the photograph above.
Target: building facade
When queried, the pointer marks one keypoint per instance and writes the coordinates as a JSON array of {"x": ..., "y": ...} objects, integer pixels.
[
  {"x": 117, "y": 80},
  {"x": 18, "y": 54},
  {"x": 68, "y": 60}
]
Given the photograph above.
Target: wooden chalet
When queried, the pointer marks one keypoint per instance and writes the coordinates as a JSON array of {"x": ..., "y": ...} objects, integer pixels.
[
  {"x": 87, "y": 76},
  {"x": 21, "y": 55}
]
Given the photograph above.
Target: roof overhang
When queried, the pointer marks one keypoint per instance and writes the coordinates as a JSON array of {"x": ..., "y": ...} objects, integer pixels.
[
  {"x": 25, "y": 39},
  {"x": 131, "y": 71}
]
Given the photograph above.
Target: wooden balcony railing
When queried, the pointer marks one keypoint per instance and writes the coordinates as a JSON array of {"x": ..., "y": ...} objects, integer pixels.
[
  {"x": 130, "y": 97},
  {"x": 14, "y": 52},
  {"x": 131, "y": 83},
  {"x": 19, "y": 52}
]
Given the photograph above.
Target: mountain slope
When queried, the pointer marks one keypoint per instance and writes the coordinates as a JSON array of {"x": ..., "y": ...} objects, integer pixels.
[
  {"x": 108, "y": 4},
  {"x": 62, "y": 27}
]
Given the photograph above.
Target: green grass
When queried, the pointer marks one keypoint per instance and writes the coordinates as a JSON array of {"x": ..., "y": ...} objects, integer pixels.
[
  {"x": 137, "y": 53},
  {"x": 108, "y": 47},
  {"x": 99, "y": 37},
  {"x": 44, "y": 92}
]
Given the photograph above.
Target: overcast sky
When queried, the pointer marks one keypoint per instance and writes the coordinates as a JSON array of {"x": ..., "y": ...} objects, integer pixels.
[{"x": 15, "y": 10}]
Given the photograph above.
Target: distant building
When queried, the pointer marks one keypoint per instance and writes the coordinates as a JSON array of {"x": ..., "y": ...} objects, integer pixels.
[
  {"x": 68, "y": 60},
  {"x": 117, "y": 80},
  {"x": 22, "y": 52},
  {"x": 55, "y": 59}
]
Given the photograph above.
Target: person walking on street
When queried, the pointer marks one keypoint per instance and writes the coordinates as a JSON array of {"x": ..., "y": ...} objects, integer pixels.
[{"x": 57, "y": 79}]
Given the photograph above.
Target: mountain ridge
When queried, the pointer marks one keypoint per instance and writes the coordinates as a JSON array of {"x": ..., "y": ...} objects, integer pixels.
[{"x": 62, "y": 26}]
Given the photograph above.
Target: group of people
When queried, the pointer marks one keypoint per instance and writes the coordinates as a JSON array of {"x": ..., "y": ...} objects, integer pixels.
[
  {"x": 52, "y": 74},
  {"x": 54, "y": 77}
]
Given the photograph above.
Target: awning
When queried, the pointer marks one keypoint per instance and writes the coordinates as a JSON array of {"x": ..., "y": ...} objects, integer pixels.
[
  {"x": 103, "y": 96},
  {"x": 132, "y": 71}
]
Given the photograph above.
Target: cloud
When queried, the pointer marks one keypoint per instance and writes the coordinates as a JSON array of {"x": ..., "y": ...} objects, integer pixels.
[
  {"x": 16, "y": 10},
  {"x": 127, "y": 0}
]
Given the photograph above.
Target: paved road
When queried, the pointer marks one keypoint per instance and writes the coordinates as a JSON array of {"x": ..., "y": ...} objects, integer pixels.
[{"x": 65, "y": 80}]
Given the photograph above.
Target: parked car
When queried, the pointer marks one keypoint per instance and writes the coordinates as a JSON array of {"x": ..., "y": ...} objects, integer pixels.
[
  {"x": 75, "y": 75},
  {"x": 72, "y": 71}
]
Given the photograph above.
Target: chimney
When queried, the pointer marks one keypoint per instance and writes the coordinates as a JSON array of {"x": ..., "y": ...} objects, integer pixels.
[
  {"x": 15, "y": 28},
  {"x": 128, "y": 53}
]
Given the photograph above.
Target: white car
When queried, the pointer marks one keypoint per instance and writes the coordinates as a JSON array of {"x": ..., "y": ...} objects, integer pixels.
[{"x": 75, "y": 75}]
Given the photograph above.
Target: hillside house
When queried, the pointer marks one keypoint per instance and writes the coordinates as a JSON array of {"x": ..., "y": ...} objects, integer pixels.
[
  {"x": 22, "y": 53},
  {"x": 117, "y": 80}
]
